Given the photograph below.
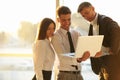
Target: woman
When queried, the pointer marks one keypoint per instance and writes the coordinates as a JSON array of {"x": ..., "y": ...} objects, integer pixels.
[{"x": 43, "y": 54}]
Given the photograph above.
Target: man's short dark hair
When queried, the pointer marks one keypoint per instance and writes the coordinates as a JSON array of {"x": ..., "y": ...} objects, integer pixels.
[
  {"x": 63, "y": 10},
  {"x": 83, "y": 5}
]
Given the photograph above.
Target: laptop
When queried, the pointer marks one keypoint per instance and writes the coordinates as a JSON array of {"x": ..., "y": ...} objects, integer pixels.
[{"x": 92, "y": 44}]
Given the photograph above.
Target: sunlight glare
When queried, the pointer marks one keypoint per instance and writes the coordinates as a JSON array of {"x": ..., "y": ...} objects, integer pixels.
[{"x": 15, "y": 11}]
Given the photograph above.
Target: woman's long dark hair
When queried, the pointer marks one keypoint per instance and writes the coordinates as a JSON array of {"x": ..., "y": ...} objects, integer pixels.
[{"x": 43, "y": 28}]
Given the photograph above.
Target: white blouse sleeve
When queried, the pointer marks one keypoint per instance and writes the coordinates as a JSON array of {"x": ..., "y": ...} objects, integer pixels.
[{"x": 39, "y": 53}]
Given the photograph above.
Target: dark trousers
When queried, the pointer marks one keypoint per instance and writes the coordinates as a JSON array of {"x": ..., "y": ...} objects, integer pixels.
[{"x": 46, "y": 75}]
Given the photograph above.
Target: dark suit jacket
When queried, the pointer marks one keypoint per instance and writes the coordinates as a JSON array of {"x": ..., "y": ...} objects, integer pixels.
[
  {"x": 111, "y": 64},
  {"x": 111, "y": 31}
]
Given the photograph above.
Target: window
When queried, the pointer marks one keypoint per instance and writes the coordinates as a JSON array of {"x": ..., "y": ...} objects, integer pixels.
[
  {"x": 105, "y": 7},
  {"x": 18, "y": 26},
  {"x": 18, "y": 23}
]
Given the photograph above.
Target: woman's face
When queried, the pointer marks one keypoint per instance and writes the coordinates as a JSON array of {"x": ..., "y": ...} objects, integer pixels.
[{"x": 50, "y": 30}]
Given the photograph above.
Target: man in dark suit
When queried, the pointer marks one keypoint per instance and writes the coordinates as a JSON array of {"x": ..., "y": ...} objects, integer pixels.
[{"x": 102, "y": 25}]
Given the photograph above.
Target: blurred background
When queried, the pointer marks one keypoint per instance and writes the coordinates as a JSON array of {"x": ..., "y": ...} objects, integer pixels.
[{"x": 19, "y": 20}]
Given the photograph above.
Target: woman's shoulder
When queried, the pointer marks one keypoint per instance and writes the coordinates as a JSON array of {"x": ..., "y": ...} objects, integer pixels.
[{"x": 40, "y": 42}]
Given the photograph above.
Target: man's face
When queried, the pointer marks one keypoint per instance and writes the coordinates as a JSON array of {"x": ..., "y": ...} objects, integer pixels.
[
  {"x": 88, "y": 13},
  {"x": 65, "y": 21}
]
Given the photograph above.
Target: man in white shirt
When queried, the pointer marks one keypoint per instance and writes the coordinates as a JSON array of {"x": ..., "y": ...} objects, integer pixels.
[{"x": 69, "y": 68}]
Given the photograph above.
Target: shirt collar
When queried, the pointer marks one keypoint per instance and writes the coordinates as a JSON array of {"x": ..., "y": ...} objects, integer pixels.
[
  {"x": 95, "y": 20},
  {"x": 63, "y": 31}
]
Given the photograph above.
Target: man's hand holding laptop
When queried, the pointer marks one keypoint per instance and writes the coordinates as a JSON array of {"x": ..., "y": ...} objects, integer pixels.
[{"x": 84, "y": 57}]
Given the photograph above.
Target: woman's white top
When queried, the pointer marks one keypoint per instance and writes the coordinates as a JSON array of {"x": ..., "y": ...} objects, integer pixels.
[{"x": 43, "y": 57}]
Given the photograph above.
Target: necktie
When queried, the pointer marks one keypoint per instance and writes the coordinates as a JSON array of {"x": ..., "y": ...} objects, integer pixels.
[
  {"x": 70, "y": 42},
  {"x": 90, "y": 30},
  {"x": 71, "y": 48}
]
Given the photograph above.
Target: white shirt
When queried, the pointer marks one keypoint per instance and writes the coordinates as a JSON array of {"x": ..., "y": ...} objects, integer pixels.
[
  {"x": 43, "y": 57},
  {"x": 105, "y": 50},
  {"x": 61, "y": 44},
  {"x": 95, "y": 26}
]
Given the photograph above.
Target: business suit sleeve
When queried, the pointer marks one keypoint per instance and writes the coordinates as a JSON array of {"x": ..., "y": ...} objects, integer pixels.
[
  {"x": 115, "y": 40},
  {"x": 109, "y": 62},
  {"x": 101, "y": 62},
  {"x": 113, "y": 30}
]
